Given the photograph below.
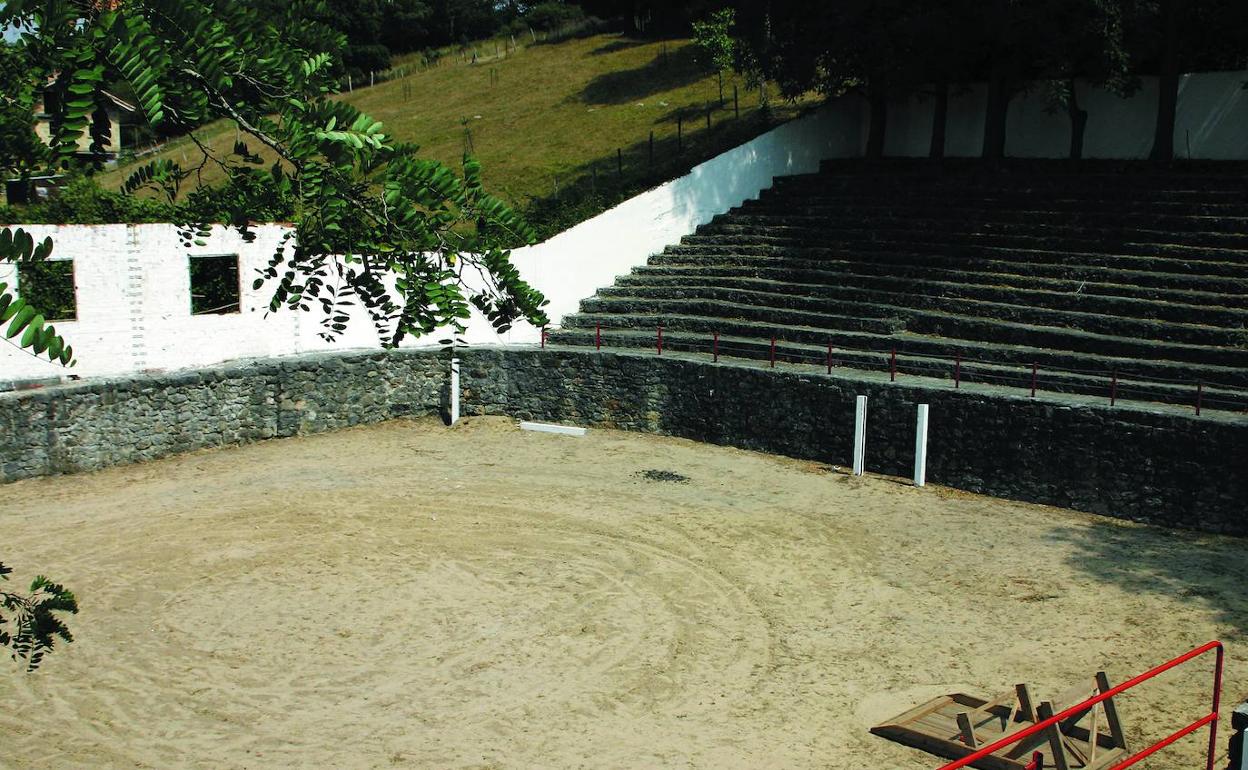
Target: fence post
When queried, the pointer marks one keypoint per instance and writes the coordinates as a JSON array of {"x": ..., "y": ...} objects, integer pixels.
[
  {"x": 957, "y": 372},
  {"x": 892, "y": 366},
  {"x": 715, "y": 347},
  {"x": 1199, "y": 392},
  {"x": 920, "y": 447},
  {"x": 1238, "y": 750},
  {"x": 619, "y": 163},
  {"x": 772, "y": 356},
  {"x": 829, "y": 356},
  {"x": 860, "y": 434},
  {"x": 454, "y": 390},
  {"x": 598, "y": 336},
  {"x": 543, "y": 337},
  {"x": 1033, "y": 380},
  {"x": 660, "y": 341}
]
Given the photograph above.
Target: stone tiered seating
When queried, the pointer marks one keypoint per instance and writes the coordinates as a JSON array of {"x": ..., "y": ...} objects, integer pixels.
[{"x": 1082, "y": 272}]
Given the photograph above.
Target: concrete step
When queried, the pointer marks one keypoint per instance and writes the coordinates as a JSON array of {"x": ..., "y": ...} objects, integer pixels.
[
  {"x": 969, "y": 281},
  {"x": 1228, "y": 247},
  {"x": 813, "y": 359},
  {"x": 835, "y": 260},
  {"x": 1013, "y": 324},
  {"x": 785, "y": 214},
  {"x": 1173, "y": 259},
  {"x": 905, "y": 289},
  {"x": 916, "y": 357}
]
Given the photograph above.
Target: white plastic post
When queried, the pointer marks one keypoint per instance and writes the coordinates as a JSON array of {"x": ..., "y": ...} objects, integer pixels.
[
  {"x": 860, "y": 435},
  {"x": 920, "y": 448},
  {"x": 454, "y": 390}
]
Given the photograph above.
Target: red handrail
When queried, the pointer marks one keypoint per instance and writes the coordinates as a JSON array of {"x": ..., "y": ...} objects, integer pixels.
[{"x": 1210, "y": 719}]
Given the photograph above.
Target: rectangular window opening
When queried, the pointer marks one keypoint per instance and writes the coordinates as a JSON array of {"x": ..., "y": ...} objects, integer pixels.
[
  {"x": 214, "y": 285},
  {"x": 49, "y": 288}
]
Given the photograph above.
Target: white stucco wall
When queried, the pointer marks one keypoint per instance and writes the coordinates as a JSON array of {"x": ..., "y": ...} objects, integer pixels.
[
  {"x": 1212, "y": 115},
  {"x": 133, "y": 287}
]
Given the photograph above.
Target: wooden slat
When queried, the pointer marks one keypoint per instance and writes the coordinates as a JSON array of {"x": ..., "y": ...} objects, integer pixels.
[
  {"x": 1057, "y": 748},
  {"x": 1116, "y": 732}
]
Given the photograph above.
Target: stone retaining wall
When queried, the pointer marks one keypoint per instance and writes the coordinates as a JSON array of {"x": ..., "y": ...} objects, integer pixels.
[{"x": 1155, "y": 464}]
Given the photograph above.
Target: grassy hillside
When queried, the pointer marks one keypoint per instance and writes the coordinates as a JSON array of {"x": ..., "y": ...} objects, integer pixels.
[{"x": 554, "y": 116}]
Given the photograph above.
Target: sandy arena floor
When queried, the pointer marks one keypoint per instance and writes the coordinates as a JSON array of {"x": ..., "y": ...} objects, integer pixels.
[{"x": 416, "y": 596}]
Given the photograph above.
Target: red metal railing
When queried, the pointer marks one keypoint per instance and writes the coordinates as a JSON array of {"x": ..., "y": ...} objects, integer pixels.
[{"x": 1210, "y": 719}]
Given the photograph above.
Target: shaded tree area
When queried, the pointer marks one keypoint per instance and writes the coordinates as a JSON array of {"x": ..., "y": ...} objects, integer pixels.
[{"x": 889, "y": 49}]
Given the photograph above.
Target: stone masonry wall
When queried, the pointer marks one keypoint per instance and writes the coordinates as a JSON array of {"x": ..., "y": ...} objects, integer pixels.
[
  {"x": 97, "y": 423},
  {"x": 1155, "y": 464}
]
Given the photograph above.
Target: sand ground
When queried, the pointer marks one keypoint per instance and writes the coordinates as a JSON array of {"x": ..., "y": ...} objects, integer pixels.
[{"x": 411, "y": 595}]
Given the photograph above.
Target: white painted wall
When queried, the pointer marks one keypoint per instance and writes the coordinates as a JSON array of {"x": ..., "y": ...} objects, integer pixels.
[
  {"x": 1212, "y": 116},
  {"x": 133, "y": 285}
]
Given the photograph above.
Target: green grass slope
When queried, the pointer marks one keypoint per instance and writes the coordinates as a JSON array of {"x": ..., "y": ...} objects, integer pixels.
[{"x": 575, "y": 117}]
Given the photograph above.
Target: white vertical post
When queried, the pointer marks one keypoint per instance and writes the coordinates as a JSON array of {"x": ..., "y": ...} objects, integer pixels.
[
  {"x": 454, "y": 390},
  {"x": 860, "y": 435},
  {"x": 920, "y": 448}
]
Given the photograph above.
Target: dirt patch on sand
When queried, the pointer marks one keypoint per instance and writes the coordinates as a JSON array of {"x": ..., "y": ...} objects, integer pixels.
[{"x": 413, "y": 595}]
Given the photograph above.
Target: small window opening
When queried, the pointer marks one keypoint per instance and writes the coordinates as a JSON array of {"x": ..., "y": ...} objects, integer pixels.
[
  {"x": 49, "y": 288},
  {"x": 214, "y": 285}
]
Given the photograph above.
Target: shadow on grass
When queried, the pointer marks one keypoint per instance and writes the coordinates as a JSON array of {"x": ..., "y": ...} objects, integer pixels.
[
  {"x": 1205, "y": 570},
  {"x": 668, "y": 71},
  {"x": 615, "y": 46}
]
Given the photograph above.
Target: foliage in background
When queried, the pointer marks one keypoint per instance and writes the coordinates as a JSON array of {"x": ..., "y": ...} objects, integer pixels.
[
  {"x": 21, "y": 152},
  {"x": 409, "y": 240},
  {"x": 29, "y": 626}
]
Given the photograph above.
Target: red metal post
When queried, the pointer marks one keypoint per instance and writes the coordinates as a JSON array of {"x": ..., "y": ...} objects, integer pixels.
[
  {"x": 598, "y": 336},
  {"x": 1199, "y": 393},
  {"x": 1033, "y": 380},
  {"x": 1113, "y": 388},
  {"x": 660, "y": 342},
  {"x": 1217, "y": 703},
  {"x": 892, "y": 366},
  {"x": 773, "y": 353},
  {"x": 715, "y": 347},
  {"x": 957, "y": 372},
  {"x": 829, "y": 357},
  {"x": 543, "y": 337}
]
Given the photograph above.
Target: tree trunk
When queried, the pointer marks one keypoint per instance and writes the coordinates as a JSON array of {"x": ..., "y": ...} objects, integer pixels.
[
  {"x": 1078, "y": 121},
  {"x": 994, "y": 116},
  {"x": 940, "y": 119},
  {"x": 878, "y": 102},
  {"x": 1168, "y": 84}
]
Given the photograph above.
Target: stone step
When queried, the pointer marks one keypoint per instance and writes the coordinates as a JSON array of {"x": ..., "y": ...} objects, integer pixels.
[
  {"x": 813, "y": 359},
  {"x": 1230, "y": 247},
  {"x": 1107, "y": 187},
  {"x": 1171, "y": 258},
  {"x": 871, "y": 351},
  {"x": 962, "y": 319},
  {"x": 888, "y": 215},
  {"x": 897, "y": 288},
  {"x": 711, "y": 305},
  {"x": 1202, "y": 301},
  {"x": 885, "y": 261},
  {"x": 770, "y": 200}
]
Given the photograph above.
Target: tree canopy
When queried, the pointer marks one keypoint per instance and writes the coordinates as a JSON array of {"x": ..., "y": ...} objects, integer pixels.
[
  {"x": 414, "y": 243},
  {"x": 884, "y": 49}
]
